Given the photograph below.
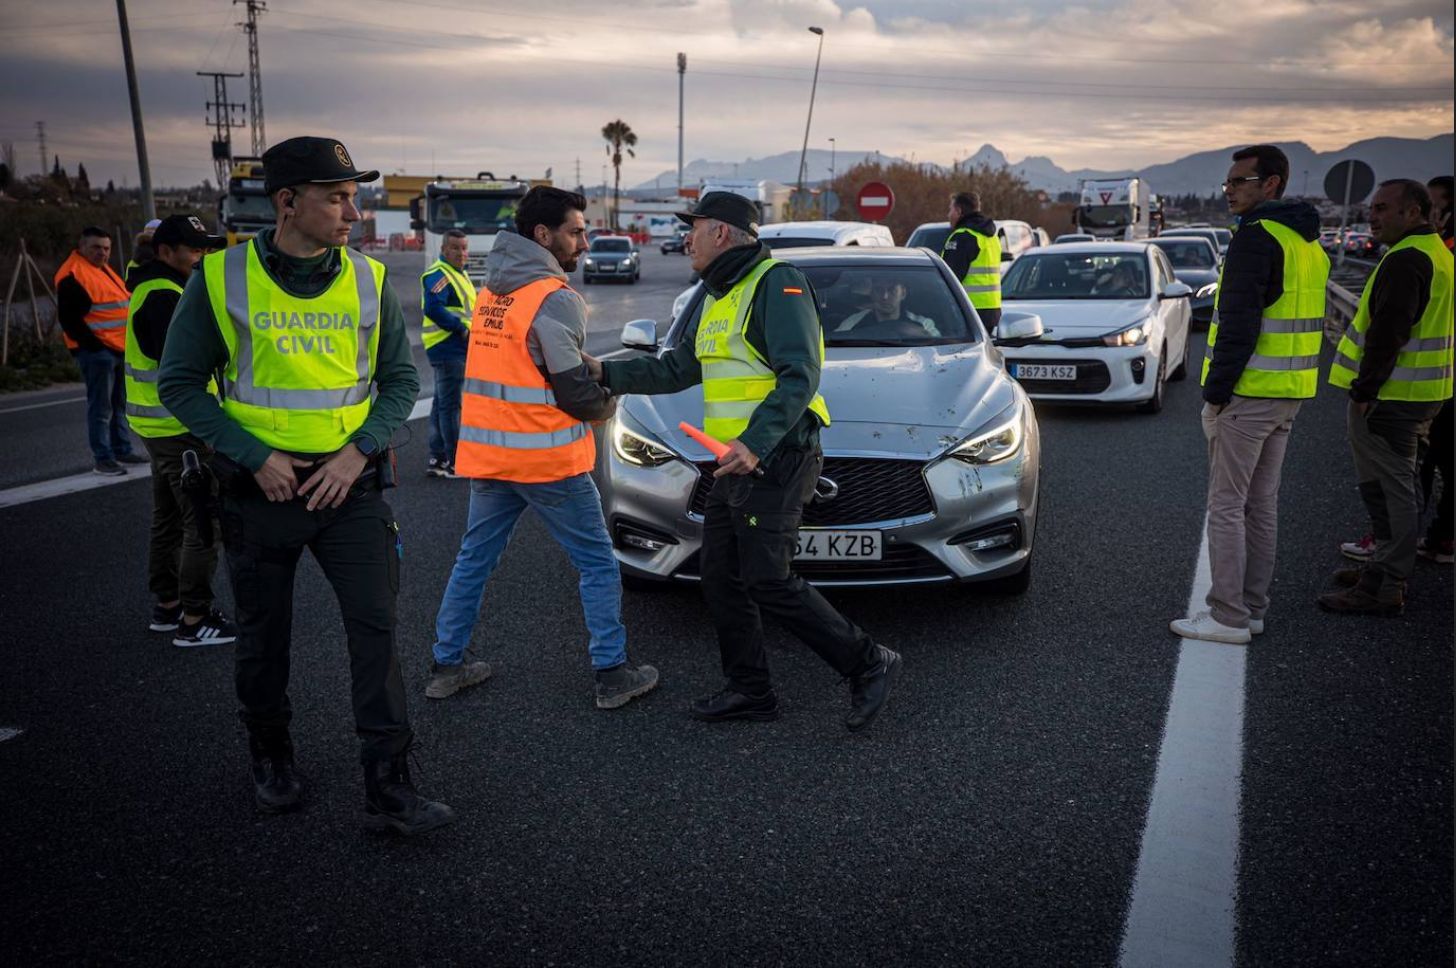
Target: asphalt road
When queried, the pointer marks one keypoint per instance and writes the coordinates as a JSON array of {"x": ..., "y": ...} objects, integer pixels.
[{"x": 991, "y": 816}]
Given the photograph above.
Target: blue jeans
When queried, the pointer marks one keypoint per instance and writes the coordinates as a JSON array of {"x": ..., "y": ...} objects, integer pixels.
[
  {"x": 572, "y": 511},
  {"x": 106, "y": 426},
  {"x": 445, "y": 412}
]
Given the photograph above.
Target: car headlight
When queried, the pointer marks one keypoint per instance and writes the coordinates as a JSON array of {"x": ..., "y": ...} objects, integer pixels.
[
  {"x": 1001, "y": 441},
  {"x": 1206, "y": 291},
  {"x": 590, "y": 262},
  {"x": 1134, "y": 335},
  {"x": 633, "y": 448}
]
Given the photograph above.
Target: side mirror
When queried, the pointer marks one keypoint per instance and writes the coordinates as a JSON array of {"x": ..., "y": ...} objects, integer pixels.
[
  {"x": 640, "y": 334},
  {"x": 1176, "y": 290},
  {"x": 1019, "y": 326},
  {"x": 1006, "y": 256},
  {"x": 416, "y": 225},
  {"x": 414, "y": 206}
]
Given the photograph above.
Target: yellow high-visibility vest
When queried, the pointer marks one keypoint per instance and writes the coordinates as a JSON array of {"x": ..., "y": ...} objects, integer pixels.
[
  {"x": 982, "y": 281},
  {"x": 144, "y": 409},
  {"x": 431, "y": 333}
]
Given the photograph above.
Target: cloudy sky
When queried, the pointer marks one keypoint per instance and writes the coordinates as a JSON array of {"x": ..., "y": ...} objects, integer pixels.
[{"x": 456, "y": 86}]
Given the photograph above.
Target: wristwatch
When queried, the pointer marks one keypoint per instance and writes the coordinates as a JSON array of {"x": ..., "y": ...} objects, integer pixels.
[{"x": 366, "y": 446}]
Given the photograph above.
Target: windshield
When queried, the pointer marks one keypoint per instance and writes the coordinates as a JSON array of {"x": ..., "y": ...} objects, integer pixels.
[
  {"x": 472, "y": 214},
  {"x": 1192, "y": 254},
  {"x": 931, "y": 238},
  {"x": 1106, "y": 216},
  {"x": 1224, "y": 236},
  {"x": 611, "y": 245},
  {"x": 1074, "y": 275},
  {"x": 795, "y": 242},
  {"x": 249, "y": 208},
  {"x": 864, "y": 306}
]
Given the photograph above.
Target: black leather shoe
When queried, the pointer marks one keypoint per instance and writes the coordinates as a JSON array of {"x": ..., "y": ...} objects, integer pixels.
[
  {"x": 391, "y": 802},
  {"x": 726, "y": 705},
  {"x": 871, "y": 689},
  {"x": 277, "y": 787}
]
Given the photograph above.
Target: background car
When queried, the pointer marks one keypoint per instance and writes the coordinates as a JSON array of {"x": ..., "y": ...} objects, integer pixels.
[
  {"x": 1114, "y": 323},
  {"x": 1329, "y": 239},
  {"x": 1066, "y": 237},
  {"x": 931, "y": 459},
  {"x": 798, "y": 235},
  {"x": 675, "y": 243},
  {"x": 1220, "y": 238},
  {"x": 1362, "y": 246},
  {"x": 1194, "y": 262},
  {"x": 611, "y": 257},
  {"x": 1016, "y": 238}
]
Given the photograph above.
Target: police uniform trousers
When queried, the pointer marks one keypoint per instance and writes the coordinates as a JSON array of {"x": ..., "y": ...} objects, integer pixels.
[
  {"x": 750, "y": 527},
  {"x": 358, "y": 548}
]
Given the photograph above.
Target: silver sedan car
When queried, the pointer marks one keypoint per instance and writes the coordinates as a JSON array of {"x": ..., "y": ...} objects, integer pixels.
[{"x": 930, "y": 463}]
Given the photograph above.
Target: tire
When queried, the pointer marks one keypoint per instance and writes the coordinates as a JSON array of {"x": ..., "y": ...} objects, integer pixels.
[
  {"x": 1155, "y": 403},
  {"x": 1182, "y": 372}
]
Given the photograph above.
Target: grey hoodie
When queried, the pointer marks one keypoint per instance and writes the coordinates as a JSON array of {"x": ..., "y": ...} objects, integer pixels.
[{"x": 559, "y": 329}]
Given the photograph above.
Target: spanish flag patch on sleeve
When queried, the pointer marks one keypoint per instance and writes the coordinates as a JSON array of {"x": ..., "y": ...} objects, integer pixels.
[
  {"x": 439, "y": 287},
  {"x": 793, "y": 291}
]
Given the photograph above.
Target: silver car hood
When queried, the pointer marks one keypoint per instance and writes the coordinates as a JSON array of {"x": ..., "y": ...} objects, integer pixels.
[{"x": 910, "y": 402}]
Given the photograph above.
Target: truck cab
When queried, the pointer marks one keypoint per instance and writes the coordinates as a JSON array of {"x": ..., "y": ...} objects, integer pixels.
[
  {"x": 480, "y": 207},
  {"x": 244, "y": 209},
  {"x": 1115, "y": 209}
]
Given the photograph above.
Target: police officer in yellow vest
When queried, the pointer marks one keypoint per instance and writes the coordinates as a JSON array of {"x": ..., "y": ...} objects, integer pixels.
[
  {"x": 757, "y": 350},
  {"x": 316, "y": 375},
  {"x": 447, "y": 297},
  {"x": 180, "y": 562},
  {"x": 1262, "y": 363},
  {"x": 973, "y": 252},
  {"x": 1395, "y": 360}
]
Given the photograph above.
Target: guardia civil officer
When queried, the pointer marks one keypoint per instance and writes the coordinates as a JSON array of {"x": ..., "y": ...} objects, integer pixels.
[
  {"x": 300, "y": 330},
  {"x": 757, "y": 351},
  {"x": 973, "y": 252}
]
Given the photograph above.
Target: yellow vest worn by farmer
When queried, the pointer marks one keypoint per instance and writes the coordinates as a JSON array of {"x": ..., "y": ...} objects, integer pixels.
[
  {"x": 299, "y": 367},
  {"x": 1423, "y": 366},
  {"x": 1285, "y": 363},
  {"x": 736, "y": 378},
  {"x": 982, "y": 281},
  {"x": 144, "y": 409},
  {"x": 431, "y": 333}
]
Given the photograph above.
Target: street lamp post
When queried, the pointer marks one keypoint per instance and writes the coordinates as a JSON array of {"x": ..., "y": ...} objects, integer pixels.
[
  {"x": 682, "y": 68},
  {"x": 804, "y": 153},
  {"x": 831, "y": 159}
]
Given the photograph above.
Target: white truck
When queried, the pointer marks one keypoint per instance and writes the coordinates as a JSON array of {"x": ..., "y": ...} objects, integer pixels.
[
  {"x": 1117, "y": 209},
  {"x": 480, "y": 207}
]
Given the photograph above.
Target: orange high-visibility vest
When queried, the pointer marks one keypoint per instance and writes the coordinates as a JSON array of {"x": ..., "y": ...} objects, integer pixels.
[
  {"x": 109, "y": 300},
  {"x": 510, "y": 426}
]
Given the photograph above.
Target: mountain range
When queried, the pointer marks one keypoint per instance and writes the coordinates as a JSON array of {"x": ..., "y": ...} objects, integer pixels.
[{"x": 1198, "y": 174}]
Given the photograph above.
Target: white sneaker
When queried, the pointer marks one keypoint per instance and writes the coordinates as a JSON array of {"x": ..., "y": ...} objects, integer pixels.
[
  {"x": 1362, "y": 550},
  {"x": 1256, "y": 626},
  {"x": 1204, "y": 626}
]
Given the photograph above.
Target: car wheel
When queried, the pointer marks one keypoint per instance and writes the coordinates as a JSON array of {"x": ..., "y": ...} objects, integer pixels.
[
  {"x": 1182, "y": 372},
  {"x": 1016, "y": 584},
  {"x": 1155, "y": 403}
]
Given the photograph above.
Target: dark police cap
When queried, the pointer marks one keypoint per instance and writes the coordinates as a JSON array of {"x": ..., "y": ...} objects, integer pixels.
[
  {"x": 298, "y": 161},
  {"x": 726, "y": 207},
  {"x": 186, "y": 230}
]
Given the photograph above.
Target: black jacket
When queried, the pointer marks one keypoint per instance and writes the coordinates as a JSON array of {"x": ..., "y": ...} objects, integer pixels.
[
  {"x": 1398, "y": 299},
  {"x": 962, "y": 250},
  {"x": 1253, "y": 280},
  {"x": 149, "y": 324},
  {"x": 73, "y": 302}
]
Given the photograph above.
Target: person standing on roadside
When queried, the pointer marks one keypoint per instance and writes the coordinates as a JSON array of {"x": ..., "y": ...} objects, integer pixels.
[
  {"x": 316, "y": 376},
  {"x": 526, "y": 442},
  {"x": 448, "y": 299},
  {"x": 91, "y": 303},
  {"x": 180, "y": 562},
  {"x": 757, "y": 350},
  {"x": 1395, "y": 360},
  {"x": 973, "y": 252},
  {"x": 1262, "y": 362},
  {"x": 1440, "y": 188}
]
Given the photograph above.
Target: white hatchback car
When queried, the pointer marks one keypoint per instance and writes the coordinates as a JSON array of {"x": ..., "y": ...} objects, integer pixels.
[{"x": 1114, "y": 323}]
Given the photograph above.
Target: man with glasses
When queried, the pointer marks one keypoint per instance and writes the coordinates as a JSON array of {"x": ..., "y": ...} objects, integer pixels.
[{"x": 1262, "y": 362}]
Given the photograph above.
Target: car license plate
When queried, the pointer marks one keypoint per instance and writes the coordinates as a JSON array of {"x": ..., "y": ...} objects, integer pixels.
[
  {"x": 1043, "y": 371},
  {"x": 837, "y": 546}
]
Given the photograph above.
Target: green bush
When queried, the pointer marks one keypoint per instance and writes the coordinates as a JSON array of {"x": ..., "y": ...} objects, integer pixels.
[{"x": 35, "y": 364}]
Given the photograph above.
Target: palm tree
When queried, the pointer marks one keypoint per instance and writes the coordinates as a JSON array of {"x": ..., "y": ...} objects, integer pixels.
[{"x": 619, "y": 135}]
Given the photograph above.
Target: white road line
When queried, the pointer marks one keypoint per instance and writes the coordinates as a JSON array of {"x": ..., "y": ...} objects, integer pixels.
[
  {"x": 37, "y": 406},
  {"x": 1183, "y": 896},
  {"x": 9, "y": 732}
]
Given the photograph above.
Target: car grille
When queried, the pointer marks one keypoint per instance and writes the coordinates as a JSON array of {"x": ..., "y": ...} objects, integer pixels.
[
  {"x": 898, "y": 561},
  {"x": 870, "y": 489},
  {"x": 1092, "y": 377}
]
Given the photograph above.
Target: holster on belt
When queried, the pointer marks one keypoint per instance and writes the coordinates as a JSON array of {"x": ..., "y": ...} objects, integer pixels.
[{"x": 197, "y": 488}]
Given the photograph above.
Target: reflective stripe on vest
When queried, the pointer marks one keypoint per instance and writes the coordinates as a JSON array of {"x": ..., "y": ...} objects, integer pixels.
[
  {"x": 431, "y": 333},
  {"x": 109, "y": 301},
  {"x": 1285, "y": 362},
  {"x": 144, "y": 408},
  {"x": 510, "y": 426},
  {"x": 1423, "y": 365},
  {"x": 736, "y": 377},
  {"x": 300, "y": 368},
  {"x": 982, "y": 281}
]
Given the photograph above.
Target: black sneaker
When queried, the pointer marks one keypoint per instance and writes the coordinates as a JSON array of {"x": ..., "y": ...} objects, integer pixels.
[
  {"x": 447, "y": 470},
  {"x": 109, "y": 468},
  {"x": 437, "y": 468},
  {"x": 132, "y": 458},
  {"x": 621, "y": 684},
  {"x": 215, "y": 629},
  {"x": 165, "y": 619}
]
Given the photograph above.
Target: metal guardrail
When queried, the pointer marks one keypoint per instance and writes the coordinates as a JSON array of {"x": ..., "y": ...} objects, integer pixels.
[{"x": 1340, "y": 307}]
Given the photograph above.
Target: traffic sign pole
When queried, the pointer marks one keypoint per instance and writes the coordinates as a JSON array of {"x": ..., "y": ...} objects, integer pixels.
[{"x": 1345, "y": 212}]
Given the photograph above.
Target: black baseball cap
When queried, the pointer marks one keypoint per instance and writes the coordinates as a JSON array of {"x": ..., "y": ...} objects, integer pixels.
[
  {"x": 186, "y": 230},
  {"x": 299, "y": 161},
  {"x": 725, "y": 207}
]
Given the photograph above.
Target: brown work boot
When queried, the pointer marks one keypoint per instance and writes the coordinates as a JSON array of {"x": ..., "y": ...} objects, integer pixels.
[
  {"x": 1346, "y": 577},
  {"x": 1370, "y": 595}
]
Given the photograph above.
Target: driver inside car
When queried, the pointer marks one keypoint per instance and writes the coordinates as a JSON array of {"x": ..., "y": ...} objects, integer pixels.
[
  {"x": 887, "y": 297},
  {"x": 1124, "y": 281}
]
